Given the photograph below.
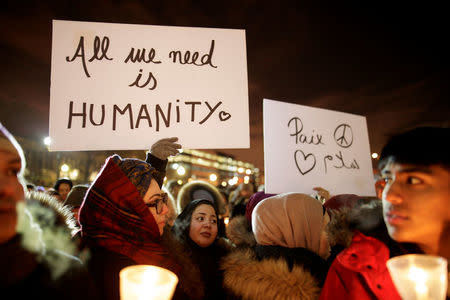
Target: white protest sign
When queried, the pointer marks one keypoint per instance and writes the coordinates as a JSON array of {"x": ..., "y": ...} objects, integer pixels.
[
  {"x": 306, "y": 147},
  {"x": 120, "y": 86}
]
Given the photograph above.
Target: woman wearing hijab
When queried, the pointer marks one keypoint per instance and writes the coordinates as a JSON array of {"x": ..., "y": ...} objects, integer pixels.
[
  {"x": 289, "y": 259},
  {"x": 197, "y": 229},
  {"x": 122, "y": 220}
]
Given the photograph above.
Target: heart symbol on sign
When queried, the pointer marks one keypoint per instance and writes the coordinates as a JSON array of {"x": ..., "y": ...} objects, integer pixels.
[
  {"x": 304, "y": 161},
  {"x": 223, "y": 116}
]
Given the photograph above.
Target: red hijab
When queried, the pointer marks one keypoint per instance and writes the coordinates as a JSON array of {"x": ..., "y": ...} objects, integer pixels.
[{"x": 114, "y": 216}]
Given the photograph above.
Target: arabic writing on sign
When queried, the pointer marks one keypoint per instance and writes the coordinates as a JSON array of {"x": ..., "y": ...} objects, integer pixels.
[{"x": 307, "y": 162}]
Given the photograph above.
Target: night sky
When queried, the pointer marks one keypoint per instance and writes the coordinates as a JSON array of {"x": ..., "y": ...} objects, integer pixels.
[{"x": 388, "y": 63}]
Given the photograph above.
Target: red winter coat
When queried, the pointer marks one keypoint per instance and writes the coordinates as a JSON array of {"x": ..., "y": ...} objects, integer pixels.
[{"x": 360, "y": 272}]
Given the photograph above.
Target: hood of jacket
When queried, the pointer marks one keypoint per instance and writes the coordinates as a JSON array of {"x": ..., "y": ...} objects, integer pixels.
[
  {"x": 45, "y": 227},
  {"x": 61, "y": 214},
  {"x": 366, "y": 218},
  {"x": 185, "y": 195},
  {"x": 240, "y": 233},
  {"x": 249, "y": 278}
]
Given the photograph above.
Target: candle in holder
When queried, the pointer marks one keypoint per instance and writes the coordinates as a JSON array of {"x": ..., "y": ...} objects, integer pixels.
[
  {"x": 418, "y": 276},
  {"x": 141, "y": 282}
]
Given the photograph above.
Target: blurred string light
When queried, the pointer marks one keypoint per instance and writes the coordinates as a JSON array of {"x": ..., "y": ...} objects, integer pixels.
[
  {"x": 181, "y": 170},
  {"x": 374, "y": 155},
  {"x": 74, "y": 174},
  {"x": 212, "y": 160},
  {"x": 175, "y": 166},
  {"x": 224, "y": 183},
  {"x": 65, "y": 168},
  {"x": 213, "y": 177},
  {"x": 47, "y": 141},
  {"x": 93, "y": 176},
  {"x": 233, "y": 180},
  {"x": 246, "y": 179}
]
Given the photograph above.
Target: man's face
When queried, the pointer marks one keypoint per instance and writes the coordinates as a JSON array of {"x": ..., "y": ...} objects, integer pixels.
[
  {"x": 11, "y": 190},
  {"x": 416, "y": 201}
]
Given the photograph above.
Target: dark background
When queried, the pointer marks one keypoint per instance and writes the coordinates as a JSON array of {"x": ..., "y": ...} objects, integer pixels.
[{"x": 386, "y": 62}]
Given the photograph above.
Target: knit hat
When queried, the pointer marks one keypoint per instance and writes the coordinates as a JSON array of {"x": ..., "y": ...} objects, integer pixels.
[
  {"x": 76, "y": 195},
  {"x": 254, "y": 199},
  {"x": 139, "y": 172}
]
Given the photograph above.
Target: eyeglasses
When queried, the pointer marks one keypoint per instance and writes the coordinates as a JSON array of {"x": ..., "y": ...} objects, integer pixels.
[{"x": 159, "y": 203}]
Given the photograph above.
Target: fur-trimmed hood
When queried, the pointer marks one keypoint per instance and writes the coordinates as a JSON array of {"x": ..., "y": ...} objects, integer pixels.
[
  {"x": 60, "y": 215},
  {"x": 249, "y": 278},
  {"x": 185, "y": 195},
  {"x": 45, "y": 226},
  {"x": 240, "y": 233},
  {"x": 366, "y": 218}
]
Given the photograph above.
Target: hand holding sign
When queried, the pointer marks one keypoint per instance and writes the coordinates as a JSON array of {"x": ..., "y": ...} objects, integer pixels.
[{"x": 164, "y": 148}]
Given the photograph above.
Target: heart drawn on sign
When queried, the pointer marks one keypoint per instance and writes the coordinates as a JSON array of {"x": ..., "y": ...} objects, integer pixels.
[
  {"x": 223, "y": 116},
  {"x": 305, "y": 163}
]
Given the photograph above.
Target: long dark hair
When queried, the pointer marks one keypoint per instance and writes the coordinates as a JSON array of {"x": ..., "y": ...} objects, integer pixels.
[{"x": 182, "y": 223}]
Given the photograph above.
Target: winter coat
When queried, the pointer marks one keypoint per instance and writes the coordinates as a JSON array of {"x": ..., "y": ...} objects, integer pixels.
[
  {"x": 38, "y": 260},
  {"x": 359, "y": 270},
  {"x": 272, "y": 272},
  {"x": 207, "y": 260},
  {"x": 105, "y": 266}
]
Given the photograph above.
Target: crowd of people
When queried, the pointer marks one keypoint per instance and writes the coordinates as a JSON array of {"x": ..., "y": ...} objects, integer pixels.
[{"x": 72, "y": 241}]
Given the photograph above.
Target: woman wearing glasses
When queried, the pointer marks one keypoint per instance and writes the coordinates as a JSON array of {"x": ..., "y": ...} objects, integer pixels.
[
  {"x": 198, "y": 231},
  {"x": 122, "y": 220}
]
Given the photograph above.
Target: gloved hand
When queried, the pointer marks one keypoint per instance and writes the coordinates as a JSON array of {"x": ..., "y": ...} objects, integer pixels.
[{"x": 164, "y": 148}]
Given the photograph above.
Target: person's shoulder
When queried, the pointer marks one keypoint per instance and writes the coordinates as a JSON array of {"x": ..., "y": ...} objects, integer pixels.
[
  {"x": 364, "y": 253},
  {"x": 239, "y": 232},
  {"x": 251, "y": 278}
]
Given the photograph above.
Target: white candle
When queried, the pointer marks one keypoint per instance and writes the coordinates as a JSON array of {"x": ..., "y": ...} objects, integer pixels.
[
  {"x": 419, "y": 277},
  {"x": 141, "y": 282}
]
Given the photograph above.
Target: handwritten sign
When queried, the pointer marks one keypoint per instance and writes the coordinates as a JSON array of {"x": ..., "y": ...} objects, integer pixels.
[
  {"x": 305, "y": 147},
  {"x": 118, "y": 86}
]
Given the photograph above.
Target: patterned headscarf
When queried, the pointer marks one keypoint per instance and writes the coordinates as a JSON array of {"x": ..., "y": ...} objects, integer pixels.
[
  {"x": 290, "y": 220},
  {"x": 114, "y": 216}
]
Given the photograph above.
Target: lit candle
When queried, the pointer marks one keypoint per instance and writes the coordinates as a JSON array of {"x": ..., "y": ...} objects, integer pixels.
[
  {"x": 141, "y": 282},
  {"x": 420, "y": 277}
]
